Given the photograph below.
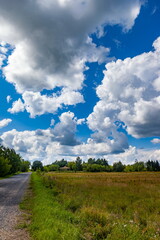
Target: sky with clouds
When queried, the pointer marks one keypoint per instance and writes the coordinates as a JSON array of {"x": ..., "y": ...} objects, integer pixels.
[{"x": 80, "y": 78}]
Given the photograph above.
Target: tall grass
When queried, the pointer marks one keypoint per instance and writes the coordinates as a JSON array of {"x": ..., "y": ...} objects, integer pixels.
[
  {"x": 94, "y": 206},
  {"x": 112, "y": 206}
]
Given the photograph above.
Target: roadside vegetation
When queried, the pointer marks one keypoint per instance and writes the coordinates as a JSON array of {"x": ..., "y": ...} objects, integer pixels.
[
  {"x": 11, "y": 162},
  {"x": 48, "y": 218},
  {"x": 94, "y": 206}
]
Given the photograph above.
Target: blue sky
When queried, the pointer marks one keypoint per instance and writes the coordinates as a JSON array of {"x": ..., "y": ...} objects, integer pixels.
[{"x": 80, "y": 78}]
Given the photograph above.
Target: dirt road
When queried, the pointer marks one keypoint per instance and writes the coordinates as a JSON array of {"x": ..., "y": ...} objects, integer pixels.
[{"x": 11, "y": 192}]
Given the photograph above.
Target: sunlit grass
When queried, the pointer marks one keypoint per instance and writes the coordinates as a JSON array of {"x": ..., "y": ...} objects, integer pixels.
[
  {"x": 110, "y": 205},
  {"x": 49, "y": 219},
  {"x": 94, "y": 206}
]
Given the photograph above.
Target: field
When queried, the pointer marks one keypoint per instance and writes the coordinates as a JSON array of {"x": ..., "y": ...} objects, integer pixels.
[{"x": 112, "y": 206}]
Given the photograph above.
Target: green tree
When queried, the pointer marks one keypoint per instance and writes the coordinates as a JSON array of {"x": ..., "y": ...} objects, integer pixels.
[
  {"x": 138, "y": 166},
  {"x": 91, "y": 160},
  {"x": 25, "y": 165},
  {"x": 37, "y": 165},
  {"x": 72, "y": 166},
  {"x": 53, "y": 167},
  {"x": 94, "y": 167},
  {"x": 118, "y": 167},
  {"x": 78, "y": 164},
  {"x": 152, "y": 165},
  {"x": 129, "y": 168},
  {"x": 14, "y": 159},
  {"x": 4, "y": 166},
  {"x": 61, "y": 163},
  {"x": 46, "y": 168},
  {"x": 102, "y": 162}
]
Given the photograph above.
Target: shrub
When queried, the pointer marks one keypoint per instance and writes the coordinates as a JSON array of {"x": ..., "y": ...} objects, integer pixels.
[{"x": 4, "y": 166}]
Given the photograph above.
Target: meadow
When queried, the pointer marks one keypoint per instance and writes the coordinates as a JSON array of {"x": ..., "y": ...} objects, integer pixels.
[{"x": 93, "y": 206}]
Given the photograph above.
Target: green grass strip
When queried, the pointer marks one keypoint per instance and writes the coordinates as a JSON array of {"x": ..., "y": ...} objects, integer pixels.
[{"x": 49, "y": 221}]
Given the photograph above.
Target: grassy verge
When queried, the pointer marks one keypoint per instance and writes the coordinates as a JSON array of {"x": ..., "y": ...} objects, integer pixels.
[{"x": 49, "y": 220}]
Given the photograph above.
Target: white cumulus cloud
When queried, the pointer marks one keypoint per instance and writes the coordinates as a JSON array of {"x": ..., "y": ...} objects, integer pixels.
[
  {"x": 51, "y": 40},
  {"x": 37, "y": 104},
  {"x": 8, "y": 98},
  {"x": 17, "y": 106},
  {"x": 3, "y": 52},
  {"x": 5, "y": 122},
  {"x": 60, "y": 140},
  {"x": 130, "y": 93},
  {"x": 155, "y": 140},
  {"x": 49, "y": 146}
]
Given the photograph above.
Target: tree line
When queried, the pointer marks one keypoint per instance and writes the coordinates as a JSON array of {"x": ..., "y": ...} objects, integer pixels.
[
  {"x": 97, "y": 165},
  {"x": 11, "y": 162}
]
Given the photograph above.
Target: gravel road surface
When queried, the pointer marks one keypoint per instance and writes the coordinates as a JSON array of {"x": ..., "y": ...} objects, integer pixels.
[{"x": 11, "y": 192}]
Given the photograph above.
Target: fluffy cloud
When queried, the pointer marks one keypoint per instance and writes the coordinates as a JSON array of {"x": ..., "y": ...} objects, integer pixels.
[
  {"x": 81, "y": 121},
  {"x": 51, "y": 43},
  {"x": 130, "y": 93},
  {"x": 127, "y": 157},
  {"x": 3, "y": 52},
  {"x": 37, "y": 104},
  {"x": 52, "y": 122},
  {"x": 52, "y": 144},
  {"x": 132, "y": 154},
  {"x": 155, "y": 140},
  {"x": 46, "y": 146},
  {"x": 64, "y": 131},
  {"x": 8, "y": 98},
  {"x": 60, "y": 140},
  {"x": 1, "y": 60},
  {"x": 5, "y": 122},
  {"x": 51, "y": 39},
  {"x": 17, "y": 106}
]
